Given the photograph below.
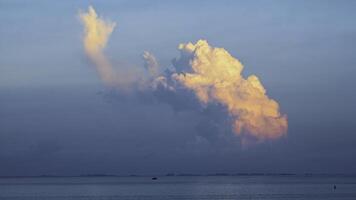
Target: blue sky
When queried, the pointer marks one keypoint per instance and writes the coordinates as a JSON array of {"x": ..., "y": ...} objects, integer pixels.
[{"x": 56, "y": 116}]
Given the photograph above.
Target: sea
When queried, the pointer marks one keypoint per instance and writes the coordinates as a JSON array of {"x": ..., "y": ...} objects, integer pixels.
[{"x": 281, "y": 187}]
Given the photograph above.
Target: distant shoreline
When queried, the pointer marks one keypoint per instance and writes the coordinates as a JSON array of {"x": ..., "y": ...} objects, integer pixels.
[{"x": 192, "y": 174}]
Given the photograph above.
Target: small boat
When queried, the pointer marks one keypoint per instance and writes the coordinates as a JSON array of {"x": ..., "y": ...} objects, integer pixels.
[{"x": 154, "y": 178}]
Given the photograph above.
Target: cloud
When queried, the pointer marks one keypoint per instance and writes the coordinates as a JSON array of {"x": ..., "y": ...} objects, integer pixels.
[
  {"x": 215, "y": 77},
  {"x": 151, "y": 63},
  {"x": 96, "y": 35},
  {"x": 201, "y": 77}
]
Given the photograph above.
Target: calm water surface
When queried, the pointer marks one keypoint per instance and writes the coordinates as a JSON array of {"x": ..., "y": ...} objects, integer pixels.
[{"x": 169, "y": 188}]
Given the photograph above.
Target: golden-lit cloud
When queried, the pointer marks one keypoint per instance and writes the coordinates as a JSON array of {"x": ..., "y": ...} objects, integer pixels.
[
  {"x": 212, "y": 74},
  {"x": 215, "y": 77},
  {"x": 96, "y": 35}
]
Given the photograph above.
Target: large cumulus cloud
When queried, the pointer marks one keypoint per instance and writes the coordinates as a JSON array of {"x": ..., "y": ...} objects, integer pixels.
[
  {"x": 202, "y": 76},
  {"x": 215, "y": 77}
]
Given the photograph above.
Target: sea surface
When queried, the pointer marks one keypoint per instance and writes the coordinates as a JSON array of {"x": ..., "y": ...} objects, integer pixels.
[{"x": 179, "y": 187}]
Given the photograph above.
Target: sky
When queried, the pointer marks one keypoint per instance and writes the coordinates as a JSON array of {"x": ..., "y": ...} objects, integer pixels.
[{"x": 59, "y": 116}]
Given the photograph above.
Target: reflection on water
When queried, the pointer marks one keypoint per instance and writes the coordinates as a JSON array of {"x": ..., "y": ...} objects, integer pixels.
[{"x": 179, "y": 187}]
